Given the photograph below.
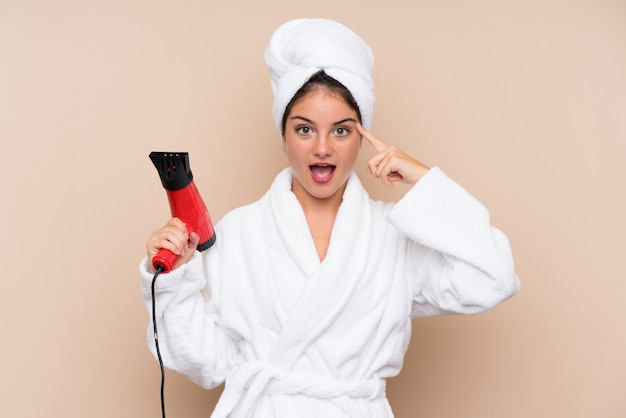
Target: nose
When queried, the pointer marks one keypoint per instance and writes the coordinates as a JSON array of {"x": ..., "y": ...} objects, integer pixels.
[{"x": 322, "y": 147}]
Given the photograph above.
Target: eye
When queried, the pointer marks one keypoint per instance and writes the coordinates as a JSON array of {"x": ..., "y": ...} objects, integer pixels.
[
  {"x": 304, "y": 130},
  {"x": 341, "y": 131}
]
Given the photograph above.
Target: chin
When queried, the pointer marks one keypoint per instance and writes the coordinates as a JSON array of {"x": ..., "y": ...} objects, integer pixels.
[{"x": 326, "y": 191}]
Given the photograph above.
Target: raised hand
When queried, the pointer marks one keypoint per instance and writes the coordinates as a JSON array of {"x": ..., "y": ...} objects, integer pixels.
[{"x": 390, "y": 164}]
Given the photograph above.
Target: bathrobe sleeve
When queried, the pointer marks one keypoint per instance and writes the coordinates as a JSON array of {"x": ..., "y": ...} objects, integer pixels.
[
  {"x": 191, "y": 340},
  {"x": 465, "y": 265}
]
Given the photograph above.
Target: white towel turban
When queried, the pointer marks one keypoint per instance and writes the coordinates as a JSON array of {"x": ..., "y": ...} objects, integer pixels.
[{"x": 302, "y": 47}]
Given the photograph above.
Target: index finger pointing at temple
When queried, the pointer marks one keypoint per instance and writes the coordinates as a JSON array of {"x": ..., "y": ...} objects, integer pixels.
[{"x": 376, "y": 143}]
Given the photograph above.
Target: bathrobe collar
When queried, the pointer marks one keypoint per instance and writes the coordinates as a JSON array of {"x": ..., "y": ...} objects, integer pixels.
[{"x": 330, "y": 283}]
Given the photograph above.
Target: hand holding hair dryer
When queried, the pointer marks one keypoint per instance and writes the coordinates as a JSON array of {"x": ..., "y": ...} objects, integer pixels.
[{"x": 185, "y": 203}]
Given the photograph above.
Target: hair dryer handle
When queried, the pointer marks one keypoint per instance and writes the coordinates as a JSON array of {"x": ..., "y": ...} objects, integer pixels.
[{"x": 164, "y": 259}]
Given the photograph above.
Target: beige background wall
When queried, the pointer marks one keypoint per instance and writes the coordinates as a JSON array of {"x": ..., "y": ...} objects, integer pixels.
[{"x": 523, "y": 102}]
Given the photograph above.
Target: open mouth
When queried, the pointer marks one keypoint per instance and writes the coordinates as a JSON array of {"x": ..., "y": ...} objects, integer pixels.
[{"x": 322, "y": 173}]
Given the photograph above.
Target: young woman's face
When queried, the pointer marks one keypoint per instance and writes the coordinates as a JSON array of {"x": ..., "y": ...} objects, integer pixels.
[{"x": 322, "y": 144}]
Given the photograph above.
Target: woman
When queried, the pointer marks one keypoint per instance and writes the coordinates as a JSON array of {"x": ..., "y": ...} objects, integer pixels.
[{"x": 304, "y": 304}]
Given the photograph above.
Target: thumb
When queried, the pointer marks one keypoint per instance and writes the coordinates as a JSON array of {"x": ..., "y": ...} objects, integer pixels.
[
  {"x": 194, "y": 239},
  {"x": 189, "y": 250}
]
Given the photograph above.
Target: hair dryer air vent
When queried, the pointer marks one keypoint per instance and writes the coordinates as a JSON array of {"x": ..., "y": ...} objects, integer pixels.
[{"x": 173, "y": 168}]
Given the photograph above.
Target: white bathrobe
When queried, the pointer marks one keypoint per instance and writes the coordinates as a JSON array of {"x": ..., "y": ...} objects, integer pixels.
[{"x": 296, "y": 337}]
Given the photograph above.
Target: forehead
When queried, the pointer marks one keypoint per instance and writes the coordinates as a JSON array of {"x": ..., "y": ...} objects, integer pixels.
[{"x": 323, "y": 101}]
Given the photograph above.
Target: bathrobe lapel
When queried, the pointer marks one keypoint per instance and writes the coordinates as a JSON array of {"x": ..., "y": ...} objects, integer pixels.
[
  {"x": 327, "y": 288},
  {"x": 329, "y": 284}
]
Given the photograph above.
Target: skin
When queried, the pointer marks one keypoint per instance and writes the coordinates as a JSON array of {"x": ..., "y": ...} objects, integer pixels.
[{"x": 321, "y": 130}]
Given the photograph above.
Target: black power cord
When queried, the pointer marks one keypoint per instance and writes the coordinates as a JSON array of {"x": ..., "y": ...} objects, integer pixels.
[{"x": 160, "y": 269}]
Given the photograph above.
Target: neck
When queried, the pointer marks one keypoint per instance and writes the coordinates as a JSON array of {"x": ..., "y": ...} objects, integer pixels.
[{"x": 320, "y": 215}]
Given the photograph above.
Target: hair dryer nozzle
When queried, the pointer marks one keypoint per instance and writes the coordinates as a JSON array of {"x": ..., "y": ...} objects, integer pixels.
[{"x": 173, "y": 168}]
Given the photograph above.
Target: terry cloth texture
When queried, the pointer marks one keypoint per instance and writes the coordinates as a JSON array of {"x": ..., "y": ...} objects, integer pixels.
[{"x": 301, "y": 47}]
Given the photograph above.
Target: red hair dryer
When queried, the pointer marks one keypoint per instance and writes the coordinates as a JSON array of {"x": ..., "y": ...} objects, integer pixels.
[{"x": 185, "y": 203}]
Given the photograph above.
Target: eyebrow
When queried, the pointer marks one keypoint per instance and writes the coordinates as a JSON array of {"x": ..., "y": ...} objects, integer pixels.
[
  {"x": 345, "y": 120},
  {"x": 339, "y": 122}
]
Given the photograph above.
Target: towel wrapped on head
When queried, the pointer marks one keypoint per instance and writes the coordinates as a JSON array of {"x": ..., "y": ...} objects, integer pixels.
[{"x": 301, "y": 47}]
